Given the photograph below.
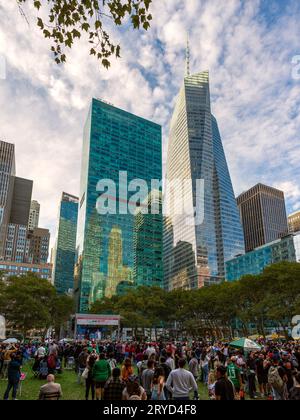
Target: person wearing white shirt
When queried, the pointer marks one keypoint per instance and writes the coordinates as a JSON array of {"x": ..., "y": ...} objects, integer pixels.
[
  {"x": 150, "y": 351},
  {"x": 41, "y": 352},
  {"x": 170, "y": 361},
  {"x": 181, "y": 382}
]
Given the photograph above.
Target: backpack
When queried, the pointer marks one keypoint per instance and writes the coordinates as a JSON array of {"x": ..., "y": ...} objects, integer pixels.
[{"x": 275, "y": 380}]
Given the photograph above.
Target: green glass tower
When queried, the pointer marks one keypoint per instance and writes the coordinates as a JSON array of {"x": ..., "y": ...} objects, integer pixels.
[
  {"x": 115, "y": 142},
  {"x": 65, "y": 244}
]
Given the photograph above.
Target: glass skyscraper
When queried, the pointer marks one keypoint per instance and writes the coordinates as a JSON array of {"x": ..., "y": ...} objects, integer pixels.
[
  {"x": 196, "y": 247},
  {"x": 254, "y": 262},
  {"x": 65, "y": 244},
  {"x": 115, "y": 141}
]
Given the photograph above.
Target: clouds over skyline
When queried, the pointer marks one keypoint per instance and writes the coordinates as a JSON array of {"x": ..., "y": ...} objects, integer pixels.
[{"x": 247, "y": 46}]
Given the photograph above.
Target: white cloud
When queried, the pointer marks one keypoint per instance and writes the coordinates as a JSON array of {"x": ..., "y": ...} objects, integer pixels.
[{"x": 255, "y": 100}]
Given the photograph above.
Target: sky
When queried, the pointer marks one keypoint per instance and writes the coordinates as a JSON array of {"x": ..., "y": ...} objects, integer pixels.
[{"x": 248, "y": 47}]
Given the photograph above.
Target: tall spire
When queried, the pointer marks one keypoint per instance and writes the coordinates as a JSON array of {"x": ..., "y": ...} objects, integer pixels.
[{"x": 187, "y": 69}]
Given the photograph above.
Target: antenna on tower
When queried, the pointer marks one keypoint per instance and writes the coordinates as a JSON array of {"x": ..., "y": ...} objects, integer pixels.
[{"x": 187, "y": 70}]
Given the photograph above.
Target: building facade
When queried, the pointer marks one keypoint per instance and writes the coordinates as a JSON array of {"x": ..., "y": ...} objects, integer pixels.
[
  {"x": 8, "y": 268},
  {"x": 196, "y": 246},
  {"x": 254, "y": 262},
  {"x": 148, "y": 243},
  {"x": 294, "y": 222},
  {"x": 115, "y": 143},
  {"x": 65, "y": 244},
  {"x": 7, "y": 174},
  {"x": 38, "y": 246},
  {"x": 263, "y": 215},
  {"x": 34, "y": 215}
]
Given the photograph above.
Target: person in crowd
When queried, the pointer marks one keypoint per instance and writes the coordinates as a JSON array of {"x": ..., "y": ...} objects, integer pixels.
[
  {"x": 234, "y": 375},
  {"x": 50, "y": 391},
  {"x": 100, "y": 374},
  {"x": 8, "y": 352},
  {"x": 277, "y": 379},
  {"x": 170, "y": 360},
  {"x": 166, "y": 371},
  {"x": 204, "y": 363},
  {"x": 251, "y": 375},
  {"x": 224, "y": 388},
  {"x": 158, "y": 385},
  {"x": 142, "y": 365},
  {"x": 13, "y": 376},
  {"x": 114, "y": 387},
  {"x": 194, "y": 366},
  {"x": 127, "y": 369},
  {"x": 147, "y": 378},
  {"x": 82, "y": 363},
  {"x": 89, "y": 382},
  {"x": 181, "y": 382},
  {"x": 294, "y": 394},
  {"x": 131, "y": 387}
]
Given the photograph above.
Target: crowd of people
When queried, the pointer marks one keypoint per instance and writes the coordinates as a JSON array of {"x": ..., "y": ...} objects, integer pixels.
[{"x": 114, "y": 371}]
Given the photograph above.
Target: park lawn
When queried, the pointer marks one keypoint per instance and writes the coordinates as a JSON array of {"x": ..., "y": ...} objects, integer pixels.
[{"x": 68, "y": 380}]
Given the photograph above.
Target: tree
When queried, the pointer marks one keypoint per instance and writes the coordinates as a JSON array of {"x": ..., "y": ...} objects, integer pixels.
[
  {"x": 62, "y": 307},
  {"x": 262, "y": 300},
  {"x": 29, "y": 302},
  {"x": 282, "y": 285},
  {"x": 68, "y": 20}
]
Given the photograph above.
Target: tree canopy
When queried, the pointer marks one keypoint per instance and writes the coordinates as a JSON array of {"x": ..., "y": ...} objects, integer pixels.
[
  {"x": 68, "y": 20},
  {"x": 29, "y": 302},
  {"x": 271, "y": 297}
]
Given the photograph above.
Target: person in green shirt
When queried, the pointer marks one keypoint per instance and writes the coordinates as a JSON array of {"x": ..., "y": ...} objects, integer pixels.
[
  {"x": 234, "y": 374},
  {"x": 100, "y": 374}
]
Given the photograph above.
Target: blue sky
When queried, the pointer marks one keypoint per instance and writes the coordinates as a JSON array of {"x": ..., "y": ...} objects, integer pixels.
[{"x": 247, "y": 46}]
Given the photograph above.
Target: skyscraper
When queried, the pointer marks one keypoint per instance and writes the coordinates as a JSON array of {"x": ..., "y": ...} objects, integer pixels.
[
  {"x": 148, "y": 243},
  {"x": 263, "y": 215},
  {"x": 65, "y": 244},
  {"x": 294, "y": 222},
  {"x": 34, "y": 215},
  {"x": 7, "y": 173},
  {"x": 115, "y": 142},
  {"x": 196, "y": 246}
]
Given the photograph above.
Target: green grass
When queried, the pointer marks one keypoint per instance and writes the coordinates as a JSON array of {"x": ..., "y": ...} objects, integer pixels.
[{"x": 68, "y": 380}]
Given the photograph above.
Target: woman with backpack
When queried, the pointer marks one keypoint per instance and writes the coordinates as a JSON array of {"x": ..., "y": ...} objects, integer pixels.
[
  {"x": 277, "y": 380},
  {"x": 158, "y": 384}
]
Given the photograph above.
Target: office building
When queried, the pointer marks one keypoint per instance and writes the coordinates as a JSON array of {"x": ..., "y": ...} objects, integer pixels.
[
  {"x": 115, "y": 143},
  {"x": 34, "y": 215},
  {"x": 202, "y": 228},
  {"x": 65, "y": 244},
  {"x": 294, "y": 222},
  {"x": 263, "y": 215},
  {"x": 148, "y": 243},
  {"x": 38, "y": 246},
  {"x": 254, "y": 262},
  {"x": 8, "y": 268},
  {"x": 7, "y": 174}
]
